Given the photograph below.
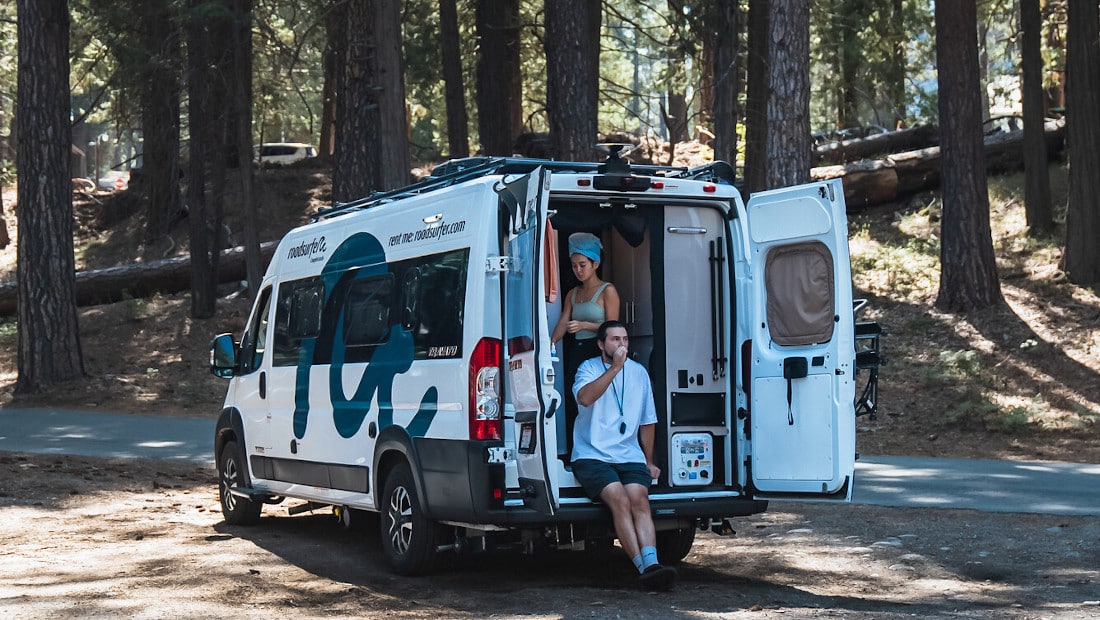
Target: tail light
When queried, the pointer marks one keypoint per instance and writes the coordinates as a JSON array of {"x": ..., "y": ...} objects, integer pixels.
[{"x": 486, "y": 419}]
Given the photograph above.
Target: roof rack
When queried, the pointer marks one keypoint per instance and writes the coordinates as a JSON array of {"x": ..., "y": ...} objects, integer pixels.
[{"x": 458, "y": 171}]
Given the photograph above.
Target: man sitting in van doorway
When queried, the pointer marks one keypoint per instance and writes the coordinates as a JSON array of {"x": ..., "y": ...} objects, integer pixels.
[{"x": 613, "y": 447}]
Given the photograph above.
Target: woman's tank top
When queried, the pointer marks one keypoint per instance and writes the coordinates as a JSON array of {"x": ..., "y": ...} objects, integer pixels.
[{"x": 589, "y": 311}]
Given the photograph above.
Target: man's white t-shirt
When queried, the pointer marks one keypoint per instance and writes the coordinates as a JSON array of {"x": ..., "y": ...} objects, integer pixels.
[{"x": 628, "y": 400}]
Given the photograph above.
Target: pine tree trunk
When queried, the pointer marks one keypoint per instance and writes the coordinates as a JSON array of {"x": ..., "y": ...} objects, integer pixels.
[
  {"x": 355, "y": 162},
  {"x": 853, "y": 18},
  {"x": 454, "y": 91},
  {"x": 572, "y": 77},
  {"x": 895, "y": 69},
  {"x": 335, "y": 50},
  {"x": 49, "y": 337},
  {"x": 242, "y": 104},
  {"x": 1040, "y": 220},
  {"x": 372, "y": 148},
  {"x": 392, "y": 140},
  {"x": 202, "y": 148},
  {"x": 1082, "y": 256},
  {"x": 968, "y": 276},
  {"x": 756, "y": 102},
  {"x": 727, "y": 80},
  {"x": 788, "y": 143},
  {"x": 160, "y": 118},
  {"x": 707, "y": 34},
  {"x": 675, "y": 110},
  {"x": 499, "y": 81}
]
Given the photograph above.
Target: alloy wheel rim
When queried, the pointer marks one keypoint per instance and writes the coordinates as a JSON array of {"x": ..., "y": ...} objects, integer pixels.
[{"x": 401, "y": 527}]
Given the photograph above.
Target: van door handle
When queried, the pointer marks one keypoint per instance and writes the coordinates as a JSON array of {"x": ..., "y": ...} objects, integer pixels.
[
  {"x": 263, "y": 384},
  {"x": 553, "y": 408}
]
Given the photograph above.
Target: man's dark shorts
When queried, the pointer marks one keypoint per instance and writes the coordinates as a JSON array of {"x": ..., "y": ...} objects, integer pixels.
[{"x": 595, "y": 475}]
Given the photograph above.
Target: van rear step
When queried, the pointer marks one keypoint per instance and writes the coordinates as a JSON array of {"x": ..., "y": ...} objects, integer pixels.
[{"x": 255, "y": 495}]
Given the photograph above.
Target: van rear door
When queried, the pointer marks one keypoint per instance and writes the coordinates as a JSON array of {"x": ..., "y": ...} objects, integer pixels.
[
  {"x": 801, "y": 353},
  {"x": 529, "y": 387}
]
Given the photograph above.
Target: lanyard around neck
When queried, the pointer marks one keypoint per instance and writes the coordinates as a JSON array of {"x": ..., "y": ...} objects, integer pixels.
[{"x": 619, "y": 398}]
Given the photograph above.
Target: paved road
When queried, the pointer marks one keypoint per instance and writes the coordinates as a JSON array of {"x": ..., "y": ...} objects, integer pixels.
[
  {"x": 95, "y": 433},
  {"x": 1043, "y": 487}
]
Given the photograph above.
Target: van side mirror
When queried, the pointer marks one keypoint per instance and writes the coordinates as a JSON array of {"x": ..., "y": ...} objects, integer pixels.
[{"x": 223, "y": 356}]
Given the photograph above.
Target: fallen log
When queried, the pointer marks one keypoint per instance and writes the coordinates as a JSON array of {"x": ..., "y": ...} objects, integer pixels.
[
  {"x": 171, "y": 275},
  {"x": 901, "y": 174},
  {"x": 840, "y": 152}
]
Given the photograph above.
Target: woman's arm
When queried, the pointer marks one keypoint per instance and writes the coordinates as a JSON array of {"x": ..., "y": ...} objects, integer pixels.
[
  {"x": 563, "y": 320},
  {"x": 610, "y": 299}
]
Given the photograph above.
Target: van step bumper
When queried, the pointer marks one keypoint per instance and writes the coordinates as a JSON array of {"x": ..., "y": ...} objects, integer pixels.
[
  {"x": 255, "y": 495},
  {"x": 662, "y": 510}
]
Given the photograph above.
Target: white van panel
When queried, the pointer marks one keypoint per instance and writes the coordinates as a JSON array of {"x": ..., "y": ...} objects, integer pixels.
[
  {"x": 799, "y": 217},
  {"x": 809, "y": 454}
]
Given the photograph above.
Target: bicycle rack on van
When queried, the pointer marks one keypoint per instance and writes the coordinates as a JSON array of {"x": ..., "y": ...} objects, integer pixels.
[{"x": 868, "y": 359}]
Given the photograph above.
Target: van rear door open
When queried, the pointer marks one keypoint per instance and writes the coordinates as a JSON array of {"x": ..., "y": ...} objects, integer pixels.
[
  {"x": 801, "y": 358},
  {"x": 529, "y": 387}
]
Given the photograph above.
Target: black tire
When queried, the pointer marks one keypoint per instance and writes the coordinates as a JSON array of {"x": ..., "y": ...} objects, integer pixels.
[
  {"x": 233, "y": 472},
  {"x": 674, "y": 545},
  {"x": 409, "y": 539}
]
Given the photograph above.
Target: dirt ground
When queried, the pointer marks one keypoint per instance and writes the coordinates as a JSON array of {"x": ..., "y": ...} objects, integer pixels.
[{"x": 86, "y": 537}]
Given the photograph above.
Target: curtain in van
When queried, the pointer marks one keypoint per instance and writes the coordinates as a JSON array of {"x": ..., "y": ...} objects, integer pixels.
[{"x": 801, "y": 304}]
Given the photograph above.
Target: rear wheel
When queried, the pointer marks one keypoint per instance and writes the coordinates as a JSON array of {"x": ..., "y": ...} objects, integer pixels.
[
  {"x": 233, "y": 473},
  {"x": 674, "y": 545},
  {"x": 409, "y": 538}
]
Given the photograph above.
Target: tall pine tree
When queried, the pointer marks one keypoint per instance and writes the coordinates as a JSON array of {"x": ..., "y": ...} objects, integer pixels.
[
  {"x": 968, "y": 277},
  {"x": 49, "y": 337}
]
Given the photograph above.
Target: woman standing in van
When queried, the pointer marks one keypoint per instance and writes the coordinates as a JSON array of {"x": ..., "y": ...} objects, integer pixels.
[{"x": 584, "y": 308}]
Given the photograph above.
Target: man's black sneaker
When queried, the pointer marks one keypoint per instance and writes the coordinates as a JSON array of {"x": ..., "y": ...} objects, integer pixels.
[{"x": 658, "y": 578}]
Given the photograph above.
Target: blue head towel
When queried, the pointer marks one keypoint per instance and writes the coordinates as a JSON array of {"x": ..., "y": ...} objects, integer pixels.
[{"x": 585, "y": 244}]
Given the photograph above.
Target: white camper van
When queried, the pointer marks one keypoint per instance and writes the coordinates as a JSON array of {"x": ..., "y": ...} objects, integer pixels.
[{"x": 398, "y": 356}]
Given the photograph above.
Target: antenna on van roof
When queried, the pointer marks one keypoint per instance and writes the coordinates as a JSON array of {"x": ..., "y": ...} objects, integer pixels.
[{"x": 615, "y": 164}]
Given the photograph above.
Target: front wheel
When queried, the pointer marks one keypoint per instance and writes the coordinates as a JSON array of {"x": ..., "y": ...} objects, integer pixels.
[
  {"x": 409, "y": 539},
  {"x": 233, "y": 473}
]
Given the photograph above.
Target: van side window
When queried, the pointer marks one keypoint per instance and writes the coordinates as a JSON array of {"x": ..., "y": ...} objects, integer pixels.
[
  {"x": 297, "y": 317},
  {"x": 254, "y": 341},
  {"x": 433, "y": 296},
  {"x": 367, "y": 312}
]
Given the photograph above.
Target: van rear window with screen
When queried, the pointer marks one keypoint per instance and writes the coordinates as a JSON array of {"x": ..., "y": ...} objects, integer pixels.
[{"x": 801, "y": 303}]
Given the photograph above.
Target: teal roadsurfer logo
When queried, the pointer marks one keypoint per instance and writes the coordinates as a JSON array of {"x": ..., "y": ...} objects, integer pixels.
[
  {"x": 387, "y": 360},
  {"x": 307, "y": 249}
]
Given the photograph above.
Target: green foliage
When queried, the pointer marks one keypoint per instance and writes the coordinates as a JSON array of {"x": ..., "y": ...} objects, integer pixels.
[
  {"x": 971, "y": 410},
  {"x": 135, "y": 307},
  {"x": 903, "y": 267},
  {"x": 990, "y": 416},
  {"x": 634, "y": 73},
  {"x": 424, "y": 79},
  {"x": 1014, "y": 419},
  {"x": 965, "y": 365},
  {"x": 878, "y": 39},
  {"x": 641, "y": 43},
  {"x": 9, "y": 332},
  {"x": 289, "y": 40},
  {"x": 1083, "y": 418},
  {"x": 8, "y": 63}
]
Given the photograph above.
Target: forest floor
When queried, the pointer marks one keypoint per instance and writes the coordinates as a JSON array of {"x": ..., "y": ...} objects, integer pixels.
[{"x": 108, "y": 538}]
